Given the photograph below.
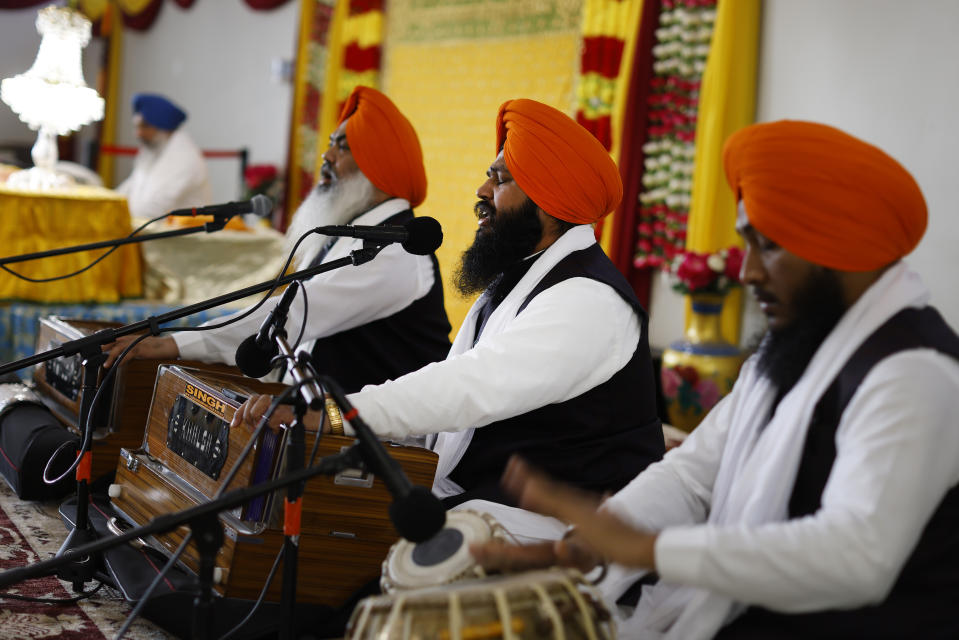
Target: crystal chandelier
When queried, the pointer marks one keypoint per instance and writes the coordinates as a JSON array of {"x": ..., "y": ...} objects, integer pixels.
[{"x": 52, "y": 97}]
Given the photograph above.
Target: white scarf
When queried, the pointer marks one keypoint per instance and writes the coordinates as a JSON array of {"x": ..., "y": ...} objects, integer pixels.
[
  {"x": 759, "y": 464},
  {"x": 450, "y": 446}
]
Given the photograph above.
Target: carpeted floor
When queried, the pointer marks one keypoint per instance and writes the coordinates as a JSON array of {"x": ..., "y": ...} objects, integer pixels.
[{"x": 32, "y": 531}]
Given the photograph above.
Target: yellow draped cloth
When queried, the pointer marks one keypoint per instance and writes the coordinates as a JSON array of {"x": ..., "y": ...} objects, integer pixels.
[{"x": 39, "y": 221}]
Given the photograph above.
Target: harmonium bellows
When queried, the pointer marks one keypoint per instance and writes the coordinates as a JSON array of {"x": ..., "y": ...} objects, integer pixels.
[
  {"x": 121, "y": 414},
  {"x": 186, "y": 455}
]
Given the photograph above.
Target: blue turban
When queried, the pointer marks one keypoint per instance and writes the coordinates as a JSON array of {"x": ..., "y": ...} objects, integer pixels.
[{"x": 158, "y": 111}]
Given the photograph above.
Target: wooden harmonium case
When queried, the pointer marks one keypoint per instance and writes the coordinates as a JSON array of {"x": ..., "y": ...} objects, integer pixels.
[
  {"x": 186, "y": 456},
  {"x": 121, "y": 413}
]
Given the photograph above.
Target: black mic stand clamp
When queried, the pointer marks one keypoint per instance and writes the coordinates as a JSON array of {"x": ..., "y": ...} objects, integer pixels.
[
  {"x": 208, "y": 536},
  {"x": 367, "y": 253},
  {"x": 82, "y": 570}
]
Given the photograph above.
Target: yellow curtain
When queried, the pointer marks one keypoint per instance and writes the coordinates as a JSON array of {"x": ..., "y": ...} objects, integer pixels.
[
  {"x": 111, "y": 28},
  {"x": 726, "y": 103},
  {"x": 329, "y": 113},
  {"x": 449, "y": 66}
]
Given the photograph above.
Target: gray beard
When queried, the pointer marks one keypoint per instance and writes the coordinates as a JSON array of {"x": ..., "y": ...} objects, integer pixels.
[{"x": 340, "y": 204}]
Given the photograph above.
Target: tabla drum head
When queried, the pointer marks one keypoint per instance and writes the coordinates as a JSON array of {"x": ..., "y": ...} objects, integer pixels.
[{"x": 442, "y": 559}]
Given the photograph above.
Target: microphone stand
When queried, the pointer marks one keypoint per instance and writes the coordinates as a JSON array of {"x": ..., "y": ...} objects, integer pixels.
[
  {"x": 215, "y": 225},
  {"x": 207, "y": 529},
  {"x": 91, "y": 349},
  {"x": 309, "y": 395}
]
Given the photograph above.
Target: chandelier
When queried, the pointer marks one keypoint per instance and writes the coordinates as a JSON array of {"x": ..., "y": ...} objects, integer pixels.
[{"x": 52, "y": 97}]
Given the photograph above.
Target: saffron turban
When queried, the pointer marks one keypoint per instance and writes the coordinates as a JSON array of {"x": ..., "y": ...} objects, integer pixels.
[
  {"x": 824, "y": 195},
  {"x": 556, "y": 162},
  {"x": 384, "y": 145},
  {"x": 157, "y": 111}
]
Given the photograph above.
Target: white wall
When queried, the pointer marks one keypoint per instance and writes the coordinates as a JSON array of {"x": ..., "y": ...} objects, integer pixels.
[
  {"x": 885, "y": 71},
  {"x": 215, "y": 61}
]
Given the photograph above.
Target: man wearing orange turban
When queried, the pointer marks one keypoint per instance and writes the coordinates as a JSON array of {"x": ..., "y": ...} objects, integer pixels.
[
  {"x": 372, "y": 322},
  {"x": 552, "y": 361},
  {"x": 818, "y": 499}
]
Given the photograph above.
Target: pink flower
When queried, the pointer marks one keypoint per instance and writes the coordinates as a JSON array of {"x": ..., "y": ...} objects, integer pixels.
[
  {"x": 689, "y": 374},
  {"x": 694, "y": 272},
  {"x": 671, "y": 382},
  {"x": 708, "y": 393},
  {"x": 258, "y": 175},
  {"x": 734, "y": 263}
]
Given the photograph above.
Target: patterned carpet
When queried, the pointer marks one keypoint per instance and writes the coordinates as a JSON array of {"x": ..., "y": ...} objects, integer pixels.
[{"x": 31, "y": 531}]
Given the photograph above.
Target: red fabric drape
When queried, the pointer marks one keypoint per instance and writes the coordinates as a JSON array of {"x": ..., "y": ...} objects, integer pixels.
[
  {"x": 186, "y": 4},
  {"x": 20, "y": 4},
  {"x": 263, "y": 5},
  {"x": 143, "y": 20},
  {"x": 631, "y": 159}
]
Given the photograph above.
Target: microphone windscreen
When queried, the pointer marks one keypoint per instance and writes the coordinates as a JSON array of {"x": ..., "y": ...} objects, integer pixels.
[
  {"x": 255, "y": 361},
  {"x": 262, "y": 205},
  {"x": 419, "y": 516},
  {"x": 425, "y": 235}
]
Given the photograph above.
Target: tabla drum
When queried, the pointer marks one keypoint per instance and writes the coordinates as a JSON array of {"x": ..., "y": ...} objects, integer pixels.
[
  {"x": 445, "y": 557},
  {"x": 556, "y": 604}
]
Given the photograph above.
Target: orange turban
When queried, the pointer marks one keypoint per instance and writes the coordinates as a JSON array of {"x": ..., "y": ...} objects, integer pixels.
[
  {"x": 824, "y": 195},
  {"x": 384, "y": 145},
  {"x": 556, "y": 162}
]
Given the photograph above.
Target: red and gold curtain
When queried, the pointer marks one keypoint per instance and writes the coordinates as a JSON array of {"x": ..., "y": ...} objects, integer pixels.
[
  {"x": 309, "y": 89},
  {"x": 621, "y": 242}
]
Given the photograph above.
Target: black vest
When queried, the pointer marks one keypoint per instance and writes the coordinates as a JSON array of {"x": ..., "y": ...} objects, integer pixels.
[
  {"x": 599, "y": 440},
  {"x": 390, "y": 347},
  {"x": 924, "y": 601}
]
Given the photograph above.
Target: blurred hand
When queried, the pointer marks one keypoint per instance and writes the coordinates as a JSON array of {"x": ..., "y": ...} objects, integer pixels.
[
  {"x": 162, "y": 347},
  {"x": 599, "y": 534},
  {"x": 251, "y": 411}
]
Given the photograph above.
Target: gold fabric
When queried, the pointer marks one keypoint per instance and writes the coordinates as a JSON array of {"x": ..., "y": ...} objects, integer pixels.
[
  {"x": 40, "y": 221},
  {"x": 726, "y": 103}
]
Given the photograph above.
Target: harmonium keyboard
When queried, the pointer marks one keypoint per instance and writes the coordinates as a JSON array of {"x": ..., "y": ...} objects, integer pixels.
[
  {"x": 186, "y": 455},
  {"x": 121, "y": 414}
]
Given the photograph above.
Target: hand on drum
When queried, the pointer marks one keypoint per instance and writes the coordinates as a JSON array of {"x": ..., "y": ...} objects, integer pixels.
[
  {"x": 153, "y": 347},
  {"x": 598, "y": 533},
  {"x": 251, "y": 411}
]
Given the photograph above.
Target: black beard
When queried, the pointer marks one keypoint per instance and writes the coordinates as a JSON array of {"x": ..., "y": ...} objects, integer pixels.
[
  {"x": 784, "y": 354},
  {"x": 512, "y": 236}
]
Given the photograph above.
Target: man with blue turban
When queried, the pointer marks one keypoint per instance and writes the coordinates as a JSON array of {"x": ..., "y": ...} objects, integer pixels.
[{"x": 169, "y": 171}]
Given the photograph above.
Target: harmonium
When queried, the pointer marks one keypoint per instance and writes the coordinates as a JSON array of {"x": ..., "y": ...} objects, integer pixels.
[
  {"x": 186, "y": 455},
  {"x": 121, "y": 413}
]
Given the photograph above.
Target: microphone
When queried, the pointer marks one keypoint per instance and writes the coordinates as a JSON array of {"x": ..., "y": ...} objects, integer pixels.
[
  {"x": 419, "y": 236},
  {"x": 416, "y": 513},
  {"x": 255, "y": 355},
  {"x": 259, "y": 205}
]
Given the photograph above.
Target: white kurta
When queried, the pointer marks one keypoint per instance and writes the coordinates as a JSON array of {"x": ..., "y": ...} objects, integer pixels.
[
  {"x": 174, "y": 177},
  {"x": 337, "y": 300},
  {"x": 570, "y": 338},
  {"x": 720, "y": 500}
]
